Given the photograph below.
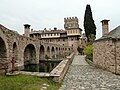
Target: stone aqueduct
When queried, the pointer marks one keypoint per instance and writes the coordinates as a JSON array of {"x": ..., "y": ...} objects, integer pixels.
[{"x": 25, "y": 49}]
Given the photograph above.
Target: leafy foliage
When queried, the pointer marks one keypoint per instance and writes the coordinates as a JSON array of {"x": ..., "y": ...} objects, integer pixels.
[
  {"x": 88, "y": 51},
  {"x": 89, "y": 26}
]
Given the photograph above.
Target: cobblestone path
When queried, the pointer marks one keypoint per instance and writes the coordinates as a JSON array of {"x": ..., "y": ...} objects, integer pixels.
[{"x": 82, "y": 76}]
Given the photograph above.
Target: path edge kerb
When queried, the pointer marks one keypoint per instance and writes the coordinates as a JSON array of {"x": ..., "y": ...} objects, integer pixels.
[{"x": 60, "y": 70}]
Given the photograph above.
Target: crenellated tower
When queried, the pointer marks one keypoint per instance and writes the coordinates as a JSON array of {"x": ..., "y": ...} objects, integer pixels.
[{"x": 71, "y": 25}]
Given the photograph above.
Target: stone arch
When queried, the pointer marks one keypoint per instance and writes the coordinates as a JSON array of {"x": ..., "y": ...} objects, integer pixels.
[
  {"x": 42, "y": 52},
  {"x": 53, "y": 52},
  {"x": 57, "y": 52},
  {"x": 48, "y": 51},
  {"x": 15, "y": 51},
  {"x": 63, "y": 52},
  {"x": 69, "y": 49},
  {"x": 56, "y": 48},
  {"x": 65, "y": 49},
  {"x": 3, "y": 51},
  {"x": 29, "y": 54},
  {"x": 3, "y": 54}
]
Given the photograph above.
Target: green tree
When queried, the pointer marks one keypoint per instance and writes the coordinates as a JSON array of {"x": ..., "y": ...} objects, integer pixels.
[{"x": 89, "y": 25}]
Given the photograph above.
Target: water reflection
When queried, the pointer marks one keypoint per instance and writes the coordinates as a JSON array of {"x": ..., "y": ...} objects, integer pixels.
[{"x": 43, "y": 66}]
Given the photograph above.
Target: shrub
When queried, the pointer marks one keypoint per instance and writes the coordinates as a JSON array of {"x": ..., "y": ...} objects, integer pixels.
[{"x": 88, "y": 51}]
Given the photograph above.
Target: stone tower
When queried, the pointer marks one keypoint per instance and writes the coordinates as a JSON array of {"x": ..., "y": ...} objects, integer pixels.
[
  {"x": 27, "y": 30},
  {"x": 105, "y": 27},
  {"x": 71, "y": 25},
  {"x": 71, "y": 22}
]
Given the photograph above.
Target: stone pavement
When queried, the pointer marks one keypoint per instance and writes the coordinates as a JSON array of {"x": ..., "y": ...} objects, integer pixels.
[
  {"x": 82, "y": 76},
  {"x": 79, "y": 60}
]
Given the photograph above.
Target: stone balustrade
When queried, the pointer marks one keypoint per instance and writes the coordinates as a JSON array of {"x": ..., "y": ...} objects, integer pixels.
[{"x": 60, "y": 70}]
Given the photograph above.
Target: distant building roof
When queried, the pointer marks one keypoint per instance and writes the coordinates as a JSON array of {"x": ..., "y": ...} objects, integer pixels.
[
  {"x": 115, "y": 33},
  {"x": 48, "y": 31}
]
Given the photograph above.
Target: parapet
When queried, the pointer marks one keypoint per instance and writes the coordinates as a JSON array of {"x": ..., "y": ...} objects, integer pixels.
[{"x": 68, "y": 19}]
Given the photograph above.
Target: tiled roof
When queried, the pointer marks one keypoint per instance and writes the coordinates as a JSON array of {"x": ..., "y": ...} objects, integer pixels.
[
  {"x": 115, "y": 33},
  {"x": 47, "y": 31}
]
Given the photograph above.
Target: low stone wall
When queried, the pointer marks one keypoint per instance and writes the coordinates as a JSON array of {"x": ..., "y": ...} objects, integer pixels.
[{"x": 60, "y": 70}]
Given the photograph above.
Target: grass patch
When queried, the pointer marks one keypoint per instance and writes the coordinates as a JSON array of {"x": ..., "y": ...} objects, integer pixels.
[{"x": 24, "y": 82}]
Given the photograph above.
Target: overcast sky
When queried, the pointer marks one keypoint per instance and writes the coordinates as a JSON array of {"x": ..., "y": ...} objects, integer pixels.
[{"x": 42, "y": 14}]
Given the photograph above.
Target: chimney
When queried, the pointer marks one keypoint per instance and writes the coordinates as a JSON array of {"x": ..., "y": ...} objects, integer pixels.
[
  {"x": 31, "y": 30},
  {"x": 105, "y": 27},
  {"x": 55, "y": 28},
  {"x": 27, "y": 30}
]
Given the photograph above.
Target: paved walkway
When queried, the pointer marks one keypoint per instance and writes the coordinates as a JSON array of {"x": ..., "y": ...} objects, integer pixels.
[
  {"x": 79, "y": 60},
  {"x": 82, "y": 76}
]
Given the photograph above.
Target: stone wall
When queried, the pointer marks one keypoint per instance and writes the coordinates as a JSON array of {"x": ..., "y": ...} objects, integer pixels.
[
  {"x": 17, "y": 45},
  {"x": 104, "y": 54},
  {"x": 117, "y": 61}
]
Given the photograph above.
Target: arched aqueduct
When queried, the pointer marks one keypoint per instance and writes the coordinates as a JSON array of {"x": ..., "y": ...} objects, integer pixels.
[{"x": 26, "y": 50}]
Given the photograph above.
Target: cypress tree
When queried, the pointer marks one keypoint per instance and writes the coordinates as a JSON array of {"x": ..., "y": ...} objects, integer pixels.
[{"x": 89, "y": 25}]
